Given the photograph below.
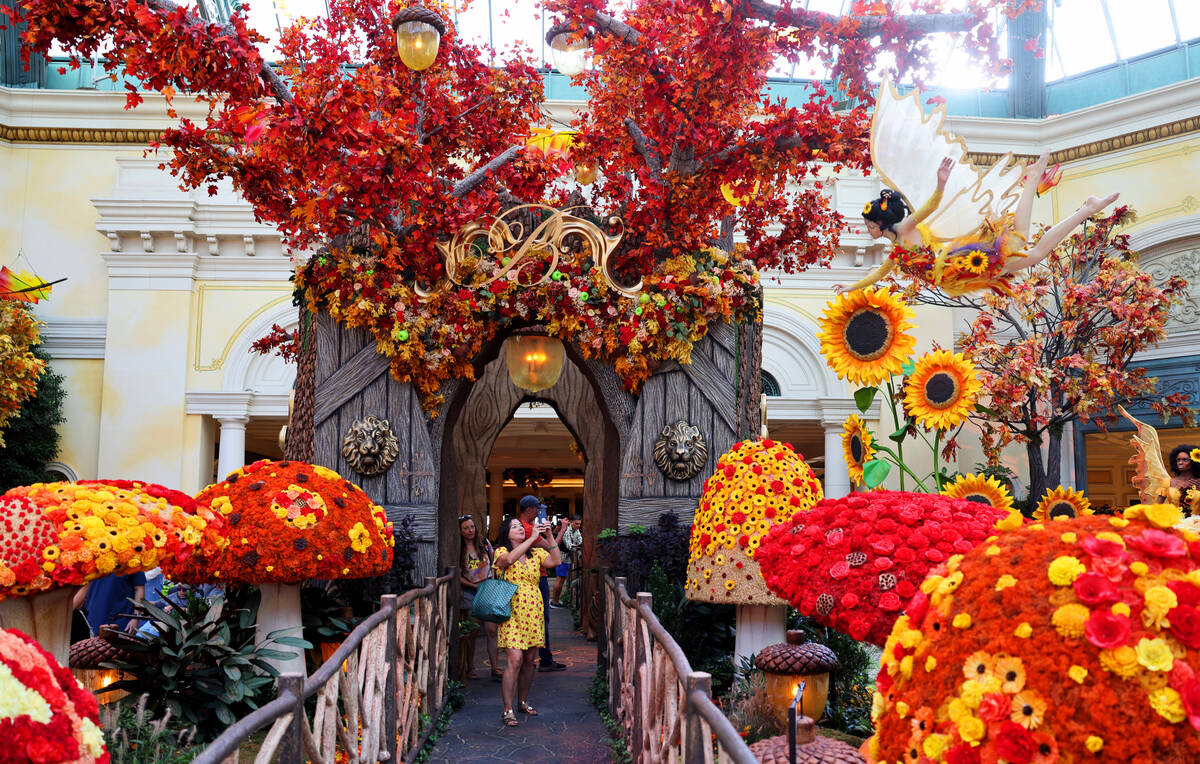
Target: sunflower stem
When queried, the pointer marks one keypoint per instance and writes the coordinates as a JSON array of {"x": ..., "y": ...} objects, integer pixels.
[
  {"x": 900, "y": 443},
  {"x": 937, "y": 477},
  {"x": 899, "y": 462}
]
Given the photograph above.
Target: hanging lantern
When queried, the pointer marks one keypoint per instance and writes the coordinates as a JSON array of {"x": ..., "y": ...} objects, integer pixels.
[
  {"x": 418, "y": 33},
  {"x": 585, "y": 172},
  {"x": 568, "y": 49},
  {"x": 534, "y": 361},
  {"x": 729, "y": 192}
]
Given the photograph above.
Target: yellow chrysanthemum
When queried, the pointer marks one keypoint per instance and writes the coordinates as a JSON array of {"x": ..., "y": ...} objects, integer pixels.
[
  {"x": 1062, "y": 504},
  {"x": 980, "y": 489},
  {"x": 864, "y": 335},
  {"x": 856, "y": 446},
  {"x": 941, "y": 391}
]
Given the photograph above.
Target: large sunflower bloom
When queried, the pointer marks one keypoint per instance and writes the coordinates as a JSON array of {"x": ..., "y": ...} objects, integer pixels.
[
  {"x": 856, "y": 446},
  {"x": 863, "y": 335},
  {"x": 941, "y": 391},
  {"x": 1062, "y": 504},
  {"x": 981, "y": 489}
]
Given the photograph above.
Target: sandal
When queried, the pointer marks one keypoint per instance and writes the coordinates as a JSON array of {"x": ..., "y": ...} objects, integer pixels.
[
  {"x": 509, "y": 719},
  {"x": 525, "y": 708},
  {"x": 497, "y": 676}
]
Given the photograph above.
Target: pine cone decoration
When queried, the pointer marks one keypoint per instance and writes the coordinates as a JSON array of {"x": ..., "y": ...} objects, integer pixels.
[
  {"x": 796, "y": 657},
  {"x": 90, "y": 653}
]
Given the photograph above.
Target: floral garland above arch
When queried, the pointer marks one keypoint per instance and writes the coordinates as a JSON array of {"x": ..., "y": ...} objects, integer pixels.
[{"x": 432, "y": 329}]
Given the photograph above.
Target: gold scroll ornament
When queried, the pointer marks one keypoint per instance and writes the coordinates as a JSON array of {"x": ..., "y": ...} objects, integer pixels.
[{"x": 507, "y": 237}]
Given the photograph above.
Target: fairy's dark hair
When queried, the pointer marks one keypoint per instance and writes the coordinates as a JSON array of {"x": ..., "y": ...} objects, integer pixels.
[
  {"x": 1193, "y": 467},
  {"x": 888, "y": 210}
]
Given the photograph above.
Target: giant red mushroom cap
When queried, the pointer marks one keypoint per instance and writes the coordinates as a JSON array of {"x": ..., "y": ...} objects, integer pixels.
[
  {"x": 288, "y": 522},
  {"x": 756, "y": 484},
  {"x": 47, "y": 716},
  {"x": 854, "y": 563},
  {"x": 66, "y": 534}
]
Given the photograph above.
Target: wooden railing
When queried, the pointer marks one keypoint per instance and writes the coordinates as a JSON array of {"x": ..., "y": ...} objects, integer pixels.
[
  {"x": 666, "y": 708},
  {"x": 370, "y": 695}
]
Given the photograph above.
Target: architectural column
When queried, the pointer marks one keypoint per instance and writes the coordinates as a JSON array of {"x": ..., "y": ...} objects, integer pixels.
[
  {"x": 837, "y": 474},
  {"x": 231, "y": 445},
  {"x": 495, "y": 499}
]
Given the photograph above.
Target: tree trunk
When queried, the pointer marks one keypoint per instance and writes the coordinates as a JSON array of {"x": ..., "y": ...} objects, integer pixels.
[
  {"x": 1037, "y": 471},
  {"x": 1054, "y": 459}
]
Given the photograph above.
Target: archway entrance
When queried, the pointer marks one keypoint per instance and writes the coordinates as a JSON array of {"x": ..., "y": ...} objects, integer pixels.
[
  {"x": 535, "y": 454},
  {"x": 475, "y": 418}
]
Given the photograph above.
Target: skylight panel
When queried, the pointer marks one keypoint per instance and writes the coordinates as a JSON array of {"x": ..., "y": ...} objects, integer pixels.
[
  {"x": 1079, "y": 38},
  {"x": 1142, "y": 25}
]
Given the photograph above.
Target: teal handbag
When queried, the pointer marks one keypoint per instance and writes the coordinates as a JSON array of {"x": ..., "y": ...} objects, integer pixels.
[{"x": 493, "y": 600}]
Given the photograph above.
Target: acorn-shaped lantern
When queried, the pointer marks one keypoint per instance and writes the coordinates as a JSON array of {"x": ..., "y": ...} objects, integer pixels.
[{"x": 787, "y": 664}]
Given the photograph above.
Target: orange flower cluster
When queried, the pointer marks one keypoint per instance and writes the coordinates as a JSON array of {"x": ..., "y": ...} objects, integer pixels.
[
  {"x": 1070, "y": 641},
  {"x": 66, "y": 534},
  {"x": 288, "y": 522},
  {"x": 19, "y": 367},
  {"x": 757, "y": 484}
]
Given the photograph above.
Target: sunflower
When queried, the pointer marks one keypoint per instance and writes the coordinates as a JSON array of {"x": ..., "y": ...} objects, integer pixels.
[
  {"x": 1062, "y": 504},
  {"x": 1195, "y": 454},
  {"x": 941, "y": 390},
  {"x": 981, "y": 489},
  {"x": 863, "y": 335},
  {"x": 975, "y": 262},
  {"x": 856, "y": 446}
]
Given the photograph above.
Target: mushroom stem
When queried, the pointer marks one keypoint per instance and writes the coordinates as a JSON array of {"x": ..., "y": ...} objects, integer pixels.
[
  {"x": 45, "y": 616},
  {"x": 279, "y": 610},
  {"x": 757, "y": 627}
]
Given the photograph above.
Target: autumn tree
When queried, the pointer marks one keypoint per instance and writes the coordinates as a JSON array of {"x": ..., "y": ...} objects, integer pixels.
[
  {"x": 355, "y": 157},
  {"x": 1061, "y": 348}
]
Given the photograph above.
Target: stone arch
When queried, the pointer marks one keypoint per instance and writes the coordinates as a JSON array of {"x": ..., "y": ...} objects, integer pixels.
[
  {"x": 247, "y": 371},
  {"x": 792, "y": 354}
]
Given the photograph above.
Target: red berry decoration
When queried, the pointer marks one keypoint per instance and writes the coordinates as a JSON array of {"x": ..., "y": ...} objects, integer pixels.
[{"x": 854, "y": 563}]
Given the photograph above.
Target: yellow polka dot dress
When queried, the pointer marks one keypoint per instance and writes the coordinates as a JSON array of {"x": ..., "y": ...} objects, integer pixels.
[{"x": 525, "y": 628}]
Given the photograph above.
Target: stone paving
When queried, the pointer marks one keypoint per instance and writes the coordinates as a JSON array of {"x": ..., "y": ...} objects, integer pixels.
[{"x": 567, "y": 729}]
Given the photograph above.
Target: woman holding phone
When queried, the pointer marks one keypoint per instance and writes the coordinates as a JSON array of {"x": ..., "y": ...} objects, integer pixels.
[{"x": 520, "y": 562}]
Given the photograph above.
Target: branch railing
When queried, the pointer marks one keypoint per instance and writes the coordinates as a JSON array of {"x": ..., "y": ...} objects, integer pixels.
[
  {"x": 371, "y": 695},
  {"x": 666, "y": 709}
]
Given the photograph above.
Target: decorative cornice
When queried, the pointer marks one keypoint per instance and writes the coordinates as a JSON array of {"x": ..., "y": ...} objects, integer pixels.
[
  {"x": 230, "y": 405},
  {"x": 74, "y": 338},
  {"x": 102, "y": 135},
  {"x": 1176, "y": 129}
]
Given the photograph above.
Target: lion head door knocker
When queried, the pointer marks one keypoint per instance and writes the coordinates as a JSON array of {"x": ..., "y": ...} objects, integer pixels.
[
  {"x": 370, "y": 447},
  {"x": 680, "y": 451}
]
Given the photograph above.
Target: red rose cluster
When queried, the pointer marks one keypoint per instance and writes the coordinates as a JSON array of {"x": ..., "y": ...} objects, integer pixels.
[{"x": 854, "y": 563}]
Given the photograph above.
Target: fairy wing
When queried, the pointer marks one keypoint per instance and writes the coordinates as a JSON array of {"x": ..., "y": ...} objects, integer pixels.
[
  {"x": 907, "y": 145},
  {"x": 1151, "y": 479}
]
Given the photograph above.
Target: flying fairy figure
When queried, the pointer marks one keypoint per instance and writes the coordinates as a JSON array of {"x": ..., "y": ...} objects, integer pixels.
[{"x": 965, "y": 237}]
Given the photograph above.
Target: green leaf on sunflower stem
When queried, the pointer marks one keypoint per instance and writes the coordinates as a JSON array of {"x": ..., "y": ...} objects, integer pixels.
[
  {"x": 908, "y": 367},
  {"x": 898, "y": 435},
  {"x": 980, "y": 408},
  {"x": 864, "y": 397},
  {"x": 875, "y": 472}
]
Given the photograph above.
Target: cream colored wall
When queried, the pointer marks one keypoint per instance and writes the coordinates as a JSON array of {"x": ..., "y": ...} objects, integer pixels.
[
  {"x": 48, "y": 217},
  {"x": 223, "y": 314}
]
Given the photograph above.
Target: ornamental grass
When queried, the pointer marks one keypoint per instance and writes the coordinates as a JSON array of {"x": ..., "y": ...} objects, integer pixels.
[
  {"x": 855, "y": 562},
  {"x": 1073, "y": 641}
]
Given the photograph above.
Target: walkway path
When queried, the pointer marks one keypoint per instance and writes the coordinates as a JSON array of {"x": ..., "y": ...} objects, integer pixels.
[{"x": 567, "y": 729}]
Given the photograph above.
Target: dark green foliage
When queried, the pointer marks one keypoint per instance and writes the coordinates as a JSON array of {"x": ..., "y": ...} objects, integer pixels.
[
  {"x": 203, "y": 667},
  {"x": 851, "y": 686},
  {"x": 364, "y": 594},
  {"x": 456, "y": 696},
  {"x": 655, "y": 561},
  {"x": 31, "y": 437}
]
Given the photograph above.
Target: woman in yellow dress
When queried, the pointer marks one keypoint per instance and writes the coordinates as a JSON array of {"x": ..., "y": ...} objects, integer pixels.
[
  {"x": 984, "y": 259},
  {"x": 519, "y": 562}
]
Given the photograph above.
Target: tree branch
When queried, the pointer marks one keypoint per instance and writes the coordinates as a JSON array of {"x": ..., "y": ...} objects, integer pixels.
[
  {"x": 646, "y": 148},
  {"x": 469, "y": 183},
  {"x": 279, "y": 89},
  {"x": 868, "y": 26}
]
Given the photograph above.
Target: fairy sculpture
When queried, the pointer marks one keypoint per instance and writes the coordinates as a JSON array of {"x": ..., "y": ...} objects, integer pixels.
[
  {"x": 965, "y": 237},
  {"x": 1155, "y": 484}
]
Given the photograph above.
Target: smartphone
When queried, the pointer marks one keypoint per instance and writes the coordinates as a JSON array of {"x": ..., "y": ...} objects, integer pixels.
[{"x": 542, "y": 515}]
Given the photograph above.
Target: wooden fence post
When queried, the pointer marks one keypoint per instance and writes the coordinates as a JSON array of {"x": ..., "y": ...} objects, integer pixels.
[
  {"x": 291, "y": 747},
  {"x": 642, "y": 681},
  {"x": 616, "y": 642},
  {"x": 694, "y": 739},
  {"x": 452, "y": 632},
  {"x": 435, "y": 615},
  {"x": 391, "y": 713}
]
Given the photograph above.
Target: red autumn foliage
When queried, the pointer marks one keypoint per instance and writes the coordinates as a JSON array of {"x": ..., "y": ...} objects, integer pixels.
[{"x": 856, "y": 562}]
